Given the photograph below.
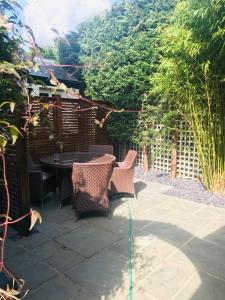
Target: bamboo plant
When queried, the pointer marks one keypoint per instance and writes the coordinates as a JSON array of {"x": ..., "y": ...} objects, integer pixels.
[{"x": 191, "y": 77}]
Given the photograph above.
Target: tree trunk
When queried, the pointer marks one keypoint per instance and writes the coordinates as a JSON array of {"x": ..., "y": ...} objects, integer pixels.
[
  {"x": 145, "y": 152},
  {"x": 173, "y": 171}
]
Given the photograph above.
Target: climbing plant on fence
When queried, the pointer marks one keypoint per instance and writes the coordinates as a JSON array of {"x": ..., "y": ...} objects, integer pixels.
[{"x": 13, "y": 70}]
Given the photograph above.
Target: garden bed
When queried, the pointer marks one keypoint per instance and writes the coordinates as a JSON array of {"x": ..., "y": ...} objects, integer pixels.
[{"x": 191, "y": 190}]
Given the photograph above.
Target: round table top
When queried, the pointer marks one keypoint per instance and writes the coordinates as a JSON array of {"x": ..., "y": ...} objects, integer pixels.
[{"x": 65, "y": 160}]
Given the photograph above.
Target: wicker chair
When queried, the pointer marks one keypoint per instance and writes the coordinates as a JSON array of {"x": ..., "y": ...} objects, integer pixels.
[
  {"x": 40, "y": 183},
  {"x": 107, "y": 149},
  {"x": 90, "y": 185},
  {"x": 122, "y": 180}
]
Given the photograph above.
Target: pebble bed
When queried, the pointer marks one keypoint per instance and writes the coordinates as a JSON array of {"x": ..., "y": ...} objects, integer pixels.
[{"x": 189, "y": 189}]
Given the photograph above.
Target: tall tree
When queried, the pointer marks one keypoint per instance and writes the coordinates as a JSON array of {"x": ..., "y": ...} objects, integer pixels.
[
  {"x": 49, "y": 52},
  {"x": 65, "y": 51},
  {"x": 68, "y": 48},
  {"x": 121, "y": 50}
]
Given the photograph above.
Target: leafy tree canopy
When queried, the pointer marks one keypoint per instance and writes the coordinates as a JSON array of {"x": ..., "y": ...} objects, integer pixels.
[
  {"x": 12, "y": 60},
  {"x": 49, "y": 52},
  {"x": 65, "y": 51},
  {"x": 120, "y": 49}
]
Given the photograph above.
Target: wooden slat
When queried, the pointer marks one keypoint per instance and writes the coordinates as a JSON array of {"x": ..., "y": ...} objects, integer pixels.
[{"x": 76, "y": 130}]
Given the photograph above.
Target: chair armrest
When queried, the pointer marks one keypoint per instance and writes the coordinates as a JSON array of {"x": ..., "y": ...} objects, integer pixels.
[{"x": 120, "y": 168}]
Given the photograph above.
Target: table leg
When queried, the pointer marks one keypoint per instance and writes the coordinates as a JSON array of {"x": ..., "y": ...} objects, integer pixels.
[{"x": 65, "y": 186}]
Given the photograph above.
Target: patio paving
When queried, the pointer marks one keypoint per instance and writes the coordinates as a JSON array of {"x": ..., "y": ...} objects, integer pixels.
[{"x": 178, "y": 251}]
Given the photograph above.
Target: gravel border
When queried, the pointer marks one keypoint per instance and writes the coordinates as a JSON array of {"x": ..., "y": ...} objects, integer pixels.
[{"x": 189, "y": 189}]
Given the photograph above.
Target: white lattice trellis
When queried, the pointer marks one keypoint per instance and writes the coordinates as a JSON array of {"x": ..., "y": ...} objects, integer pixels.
[{"x": 188, "y": 165}]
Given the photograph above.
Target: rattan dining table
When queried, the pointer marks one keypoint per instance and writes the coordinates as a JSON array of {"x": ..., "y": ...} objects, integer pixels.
[{"x": 62, "y": 163}]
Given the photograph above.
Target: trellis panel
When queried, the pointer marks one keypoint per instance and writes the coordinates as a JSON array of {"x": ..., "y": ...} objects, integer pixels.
[{"x": 159, "y": 151}]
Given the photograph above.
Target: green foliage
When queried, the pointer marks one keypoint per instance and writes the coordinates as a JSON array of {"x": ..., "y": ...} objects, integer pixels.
[
  {"x": 68, "y": 51},
  {"x": 144, "y": 131},
  {"x": 121, "y": 50},
  {"x": 190, "y": 79},
  {"x": 49, "y": 52},
  {"x": 12, "y": 71}
]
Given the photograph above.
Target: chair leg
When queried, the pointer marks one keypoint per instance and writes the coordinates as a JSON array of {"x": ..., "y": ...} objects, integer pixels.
[
  {"x": 76, "y": 216},
  {"x": 134, "y": 193},
  {"x": 109, "y": 214}
]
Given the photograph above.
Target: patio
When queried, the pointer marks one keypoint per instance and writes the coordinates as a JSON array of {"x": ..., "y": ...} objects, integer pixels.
[{"x": 178, "y": 251}]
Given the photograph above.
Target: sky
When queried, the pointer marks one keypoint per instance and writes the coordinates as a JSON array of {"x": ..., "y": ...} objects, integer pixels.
[{"x": 63, "y": 15}]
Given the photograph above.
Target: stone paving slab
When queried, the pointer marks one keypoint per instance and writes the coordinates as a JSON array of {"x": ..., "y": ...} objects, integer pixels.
[
  {"x": 35, "y": 239},
  {"x": 58, "y": 288},
  {"x": 88, "y": 240},
  {"x": 139, "y": 294},
  {"x": 37, "y": 275},
  {"x": 12, "y": 248},
  {"x": 64, "y": 260},
  {"x": 205, "y": 256},
  {"x": 20, "y": 262},
  {"x": 104, "y": 274},
  {"x": 147, "y": 260},
  {"x": 204, "y": 287},
  {"x": 53, "y": 230},
  {"x": 84, "y": 296},
  {"x": 46, "y": 251},
  {"x": 178, "y": 251},
  {"x": 167, "y": 279},
  {"x": 169, "y": 232}
]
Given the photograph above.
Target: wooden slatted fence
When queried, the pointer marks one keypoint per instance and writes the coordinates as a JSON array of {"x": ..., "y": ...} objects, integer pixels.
[{"x": 75, "y": 130}]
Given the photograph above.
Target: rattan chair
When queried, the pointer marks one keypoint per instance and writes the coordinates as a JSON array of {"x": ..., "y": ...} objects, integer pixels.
[
  {"x": 40, "y": 183},
  {"x": 122, "y": 180},
  {"x": 107, "y": 149},
  {"x": 90, "y": 185}
]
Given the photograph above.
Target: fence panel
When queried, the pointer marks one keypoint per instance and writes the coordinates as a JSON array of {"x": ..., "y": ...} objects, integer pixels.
[{"x": 73, "y": 130}]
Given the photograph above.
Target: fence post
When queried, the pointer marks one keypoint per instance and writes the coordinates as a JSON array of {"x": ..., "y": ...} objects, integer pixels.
[
  {"x": 145, "y": 156},
  {"x": 173, "y": 171}
]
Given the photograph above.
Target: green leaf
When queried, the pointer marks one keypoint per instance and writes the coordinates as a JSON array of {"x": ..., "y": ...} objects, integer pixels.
[
  {"x": 12, "y": 106},
  {"x": 3, "y": 141},
  {"x": 4, "y": 123},
  {"x": 4, "y": 103},
  {"x": 14, "y": 131},
  {"x": 35, "y": 216}
]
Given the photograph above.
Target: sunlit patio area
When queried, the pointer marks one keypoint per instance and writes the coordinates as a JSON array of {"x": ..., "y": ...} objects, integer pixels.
[
  {"x": 178, "y": 250},
  {"x": 112, "y": 150}
]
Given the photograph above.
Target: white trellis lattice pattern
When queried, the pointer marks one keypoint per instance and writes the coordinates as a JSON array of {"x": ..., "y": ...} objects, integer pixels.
[{"x": 188, "y": 165}]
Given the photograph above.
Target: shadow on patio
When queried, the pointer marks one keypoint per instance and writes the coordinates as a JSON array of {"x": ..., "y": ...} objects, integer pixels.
[{"x": 64, "y": 260}]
